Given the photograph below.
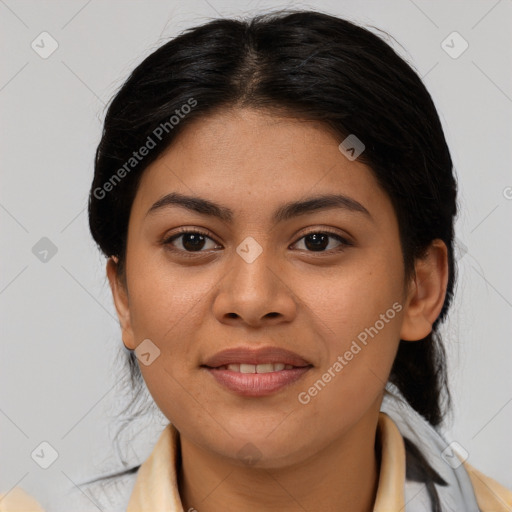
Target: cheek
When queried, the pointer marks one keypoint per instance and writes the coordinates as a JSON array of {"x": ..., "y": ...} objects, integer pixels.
[
  {"x": 351, "y": 298},
  {"x": 168, "y": 308},
  {"x": 359, "y": 356},
  {"x": 359, "y": 312},
  {"x": 165, "y": 305}
]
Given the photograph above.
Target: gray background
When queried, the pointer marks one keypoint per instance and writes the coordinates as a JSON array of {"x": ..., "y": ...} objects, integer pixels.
[{"x": 60, "y": 336}]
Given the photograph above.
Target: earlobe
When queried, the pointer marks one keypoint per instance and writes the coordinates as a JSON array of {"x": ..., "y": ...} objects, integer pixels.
[
  {"x": 120, "y": 297},
  {"x": 427, "y": 292}
]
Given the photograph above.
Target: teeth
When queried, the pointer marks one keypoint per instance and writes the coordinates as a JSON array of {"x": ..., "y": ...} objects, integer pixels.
[
  {"x": 247, "y": 368},
  {"x": 256, "y": 368}
]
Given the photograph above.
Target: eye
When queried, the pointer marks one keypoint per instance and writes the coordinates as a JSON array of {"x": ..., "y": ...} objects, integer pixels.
[
  {"x": 318, "y": 241},
  {"x": 191, "y": 241},
  {"x": 195, "y": 241}
]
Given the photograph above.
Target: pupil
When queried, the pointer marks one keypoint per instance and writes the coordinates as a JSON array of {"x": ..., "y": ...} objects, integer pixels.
[
  {"x": 319, "y": 241},
  {"x": 193, "y": 241}
]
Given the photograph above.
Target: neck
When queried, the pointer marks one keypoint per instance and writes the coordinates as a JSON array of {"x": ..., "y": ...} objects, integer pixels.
[{"x": 343, "y": 476}]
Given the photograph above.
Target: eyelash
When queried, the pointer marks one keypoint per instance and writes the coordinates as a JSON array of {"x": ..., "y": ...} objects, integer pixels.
[{"x": 193, "y": 254}]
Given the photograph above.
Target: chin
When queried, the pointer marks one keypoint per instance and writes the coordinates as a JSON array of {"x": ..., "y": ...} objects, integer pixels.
[{"x": 263, "y": 448}]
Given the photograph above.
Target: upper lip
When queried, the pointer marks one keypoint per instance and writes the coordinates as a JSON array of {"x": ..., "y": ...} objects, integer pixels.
[{"x": 263, "y": 355}]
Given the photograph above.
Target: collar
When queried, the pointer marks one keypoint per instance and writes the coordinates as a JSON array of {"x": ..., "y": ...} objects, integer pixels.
[{"x": 156, "y": 486}]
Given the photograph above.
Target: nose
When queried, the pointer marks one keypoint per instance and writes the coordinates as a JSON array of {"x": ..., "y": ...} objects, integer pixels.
[{"x": 255, "y": 293}]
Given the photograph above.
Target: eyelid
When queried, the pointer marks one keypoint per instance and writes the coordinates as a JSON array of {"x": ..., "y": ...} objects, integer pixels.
[
  {"x": 325, "y": 230},
  {"x": 166, "y": 241}
]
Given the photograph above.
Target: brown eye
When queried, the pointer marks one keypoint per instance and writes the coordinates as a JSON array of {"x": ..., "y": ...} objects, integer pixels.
[
  {"x": 319, "y": 241},
  {"x": 191, "y": 241}
]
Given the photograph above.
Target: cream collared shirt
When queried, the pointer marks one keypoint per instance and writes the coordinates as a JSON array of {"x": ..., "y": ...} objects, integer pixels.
[{"x": 156, "y": 484}]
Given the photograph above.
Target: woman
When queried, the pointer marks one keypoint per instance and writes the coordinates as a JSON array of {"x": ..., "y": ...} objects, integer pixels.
[{"x": 276, "y": 200}]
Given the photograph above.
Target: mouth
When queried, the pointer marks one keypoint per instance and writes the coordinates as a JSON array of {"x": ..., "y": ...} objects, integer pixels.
[{"x": 256, "y": 372}]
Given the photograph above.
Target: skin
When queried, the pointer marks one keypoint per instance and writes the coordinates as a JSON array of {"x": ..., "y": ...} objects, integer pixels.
[{"x": 317, "y": 456}]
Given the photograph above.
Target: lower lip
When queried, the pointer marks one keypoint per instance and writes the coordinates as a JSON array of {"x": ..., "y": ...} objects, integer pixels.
[{"x": 257, "y": 384}]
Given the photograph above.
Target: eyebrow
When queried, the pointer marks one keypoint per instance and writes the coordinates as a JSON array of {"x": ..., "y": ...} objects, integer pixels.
[{"x": 284, "y": 212}]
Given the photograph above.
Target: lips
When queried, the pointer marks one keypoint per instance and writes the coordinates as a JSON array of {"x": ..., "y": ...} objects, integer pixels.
[
  {"x": 245, "y": 357},
  {"x": 257, "y": 384}
]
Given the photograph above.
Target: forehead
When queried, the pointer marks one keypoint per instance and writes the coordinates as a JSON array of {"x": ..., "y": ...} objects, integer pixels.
[
  {"x": 238, "y": 136},
  {"x": 253, "y": 159}
]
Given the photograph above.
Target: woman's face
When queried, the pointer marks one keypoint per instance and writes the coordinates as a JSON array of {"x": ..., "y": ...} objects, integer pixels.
[{"x": 260, "y": 278}]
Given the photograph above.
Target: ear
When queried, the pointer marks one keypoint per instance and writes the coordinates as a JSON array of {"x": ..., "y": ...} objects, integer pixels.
[
  {"x": 427, "y": 291},
  {"x": 120, "y": 296}
]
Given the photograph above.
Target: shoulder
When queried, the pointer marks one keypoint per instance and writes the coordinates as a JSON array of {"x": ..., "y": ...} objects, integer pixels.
[
  {"x": 490, "y": 495},
  {"x": 108, "y": 493},
  {"x": 16, "y": 500}
]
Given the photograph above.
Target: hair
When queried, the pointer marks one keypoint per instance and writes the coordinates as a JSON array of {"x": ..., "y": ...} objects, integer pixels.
[{"x": 307, "y": 65}]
